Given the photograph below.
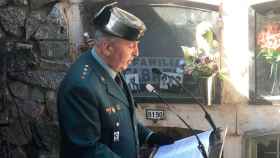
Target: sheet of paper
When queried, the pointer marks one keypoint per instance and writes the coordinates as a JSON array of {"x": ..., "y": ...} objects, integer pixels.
[{"x": 184, "y": 148}]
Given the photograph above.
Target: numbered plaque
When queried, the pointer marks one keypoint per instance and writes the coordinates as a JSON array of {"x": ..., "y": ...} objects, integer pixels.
[{"x": 155, "y": 114}]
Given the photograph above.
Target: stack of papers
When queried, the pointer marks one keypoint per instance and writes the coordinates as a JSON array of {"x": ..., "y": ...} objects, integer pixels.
[{"x": 186, "y": 147}]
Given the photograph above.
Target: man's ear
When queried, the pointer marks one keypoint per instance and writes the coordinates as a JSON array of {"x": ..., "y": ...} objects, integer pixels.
[
  {"x": 110, "y": 48},
  {"x": 107, "y": 48}
]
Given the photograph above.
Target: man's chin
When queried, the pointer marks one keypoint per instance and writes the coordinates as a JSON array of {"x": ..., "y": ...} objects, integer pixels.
[
  {"x": 124, "y": 68},
  {"x": 121, "y": 69}
]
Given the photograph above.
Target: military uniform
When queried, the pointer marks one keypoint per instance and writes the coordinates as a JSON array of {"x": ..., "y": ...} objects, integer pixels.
[{"x": 97, "y": 117}]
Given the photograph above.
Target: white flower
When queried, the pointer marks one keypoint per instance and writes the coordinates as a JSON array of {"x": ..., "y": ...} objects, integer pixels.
[{"x": 202, "y": 43}]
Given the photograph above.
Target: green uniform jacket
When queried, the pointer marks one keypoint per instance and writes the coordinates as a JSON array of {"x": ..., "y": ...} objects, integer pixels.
[{"x": 96, "y": 116}]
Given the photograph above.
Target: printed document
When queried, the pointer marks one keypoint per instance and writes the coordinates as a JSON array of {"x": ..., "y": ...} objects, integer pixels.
[{"x": 184, "y": 148}]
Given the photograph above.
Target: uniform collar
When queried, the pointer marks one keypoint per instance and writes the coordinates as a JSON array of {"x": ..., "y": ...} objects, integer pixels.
[{"x": 103, "y": 64}]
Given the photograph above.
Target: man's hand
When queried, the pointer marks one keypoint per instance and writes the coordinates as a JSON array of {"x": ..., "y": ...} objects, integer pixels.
[{"x": 160, "y": 139}]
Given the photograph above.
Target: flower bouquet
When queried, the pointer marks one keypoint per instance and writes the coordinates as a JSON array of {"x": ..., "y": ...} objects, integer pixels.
[
  {"x": 199, "y": 65},
  {"x": 268, "y": 42},
  {"x": 202, "y": 61}
]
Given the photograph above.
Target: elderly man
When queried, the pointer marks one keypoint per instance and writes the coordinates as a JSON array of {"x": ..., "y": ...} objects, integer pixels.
[{"x": 95, "y": 106}]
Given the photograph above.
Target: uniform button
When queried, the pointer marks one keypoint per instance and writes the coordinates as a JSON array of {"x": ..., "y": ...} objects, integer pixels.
[
  {"x": 113, "y": 110},
  {"x": 117, "y": 124},
  {"x": 84, "y": 73},
  {"x": 86, "y": 66},
  {"x": 118, "y": 107},
  {"x": 85, "y": 69},
  {"x": 102, "y": 78}
]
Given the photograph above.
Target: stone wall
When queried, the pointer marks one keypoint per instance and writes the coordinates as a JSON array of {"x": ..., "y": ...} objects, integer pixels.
[
  {"x": 34, "y": 55},
  {"x": 36, "y": 48},
  {"x": 38, "y": 42}
]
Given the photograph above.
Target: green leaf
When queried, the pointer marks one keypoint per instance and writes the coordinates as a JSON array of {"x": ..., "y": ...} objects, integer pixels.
[
  {"x": 209, "y": 36},
  {"x": 188, "y": 56}
]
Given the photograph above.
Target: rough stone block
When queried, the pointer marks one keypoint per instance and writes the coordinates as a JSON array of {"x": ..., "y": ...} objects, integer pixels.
[
  {"x": 37, "y": 94},
  {"x": 12, "y": 20},
  {"x": 59, "y": 65},
  {"x": 33, "y": 22},
  {"x": 45, "y": 79},
  {"x": 4, "y": 114},
  {"x": 55, "y": 26},
  {"x": 21, "y": 57},
  {"x": 49, "y": 133},
  {"x": 54, "y": 49},
  {"x": 32, "y": 109},
  {"x": 51, "y": 104},
  {"x": 19, "y": 89},
  {"x": 2, "y": 34},
  {"x": 35, "y": 4},
  {"x": 26, "y": 108},
  {"x": 18, "y": 153},
  {"x": 3, "y": 2},
  {"x": 51, "y": 31},
  {"x": 20, "y": 2},
  {"x": 17, "y": 130}
]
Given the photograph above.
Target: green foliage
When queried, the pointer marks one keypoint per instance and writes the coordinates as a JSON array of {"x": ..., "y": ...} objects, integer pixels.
[
  {"x": 270, "y": 55},
  {"x": 209, "y": 36}
]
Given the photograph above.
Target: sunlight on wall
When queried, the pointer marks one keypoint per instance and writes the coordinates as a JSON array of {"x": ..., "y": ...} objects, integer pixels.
[
  {"x": 75, "y": 26},
  {"x": 236, "y": 44},
  {"x": 260, "y": 1},
  {"x": 213, "y": 2}
]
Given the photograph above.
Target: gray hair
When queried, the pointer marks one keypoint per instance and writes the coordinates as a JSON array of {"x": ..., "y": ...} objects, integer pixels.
[{"x": 99, "y": 36}]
